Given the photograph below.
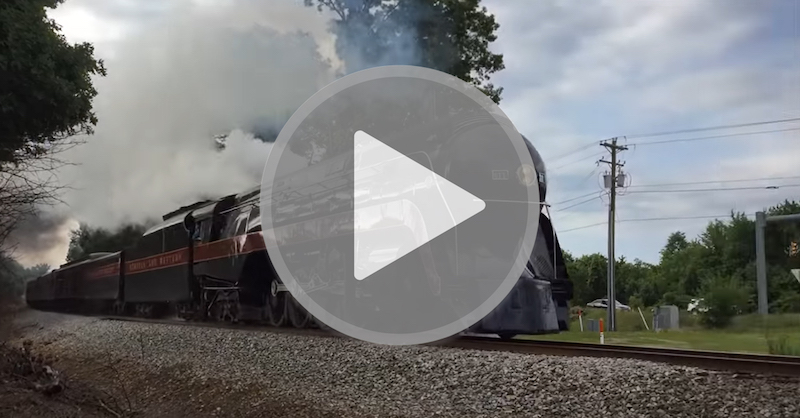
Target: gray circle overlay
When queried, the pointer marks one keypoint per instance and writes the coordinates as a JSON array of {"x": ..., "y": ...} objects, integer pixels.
[{"x": 316, "y": 217}]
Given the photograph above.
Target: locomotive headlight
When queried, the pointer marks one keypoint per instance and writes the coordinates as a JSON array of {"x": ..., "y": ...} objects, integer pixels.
[{"x": 526, "y": 175}]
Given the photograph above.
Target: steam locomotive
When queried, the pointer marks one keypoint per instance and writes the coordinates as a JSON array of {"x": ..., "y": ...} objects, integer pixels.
[{"x": 208, "y": 261}]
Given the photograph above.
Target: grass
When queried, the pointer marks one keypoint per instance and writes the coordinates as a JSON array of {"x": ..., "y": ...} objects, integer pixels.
[{"x": 776, "y": 334}]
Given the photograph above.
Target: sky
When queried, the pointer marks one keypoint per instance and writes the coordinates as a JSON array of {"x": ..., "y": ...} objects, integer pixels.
[{"x": 576, "y": 73}]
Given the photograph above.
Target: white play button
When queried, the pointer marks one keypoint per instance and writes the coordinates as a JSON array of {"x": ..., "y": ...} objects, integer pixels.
[{"x": 380, "y": 172}]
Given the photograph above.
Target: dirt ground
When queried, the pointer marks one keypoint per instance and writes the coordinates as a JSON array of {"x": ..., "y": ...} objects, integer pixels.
[{"x": 37, "y": 382}]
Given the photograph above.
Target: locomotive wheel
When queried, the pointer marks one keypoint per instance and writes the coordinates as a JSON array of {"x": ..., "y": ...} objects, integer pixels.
[
  {"x": 118, "y": 308},
  {"x": 145, "y": 310},
  {"x": 298, "y": 316},
  {"x": 276, "y": 305},
  {"x": 506, "y": 336},
  {"x": 266, "y": 314},
  {"x": 226, "y": 309}
]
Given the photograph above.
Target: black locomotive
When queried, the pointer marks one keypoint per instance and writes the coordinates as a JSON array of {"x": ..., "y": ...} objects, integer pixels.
[{"x": 208, "y": 261}]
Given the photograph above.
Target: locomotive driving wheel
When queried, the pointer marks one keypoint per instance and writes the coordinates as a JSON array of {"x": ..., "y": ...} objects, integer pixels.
[
  {"x": 118, "y": 308},
  {"x": 298, "y": 316},
  {"x": 276, "y": 305}
]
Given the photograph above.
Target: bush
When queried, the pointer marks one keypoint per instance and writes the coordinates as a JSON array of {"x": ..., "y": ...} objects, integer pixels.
[
  {"x": 787, "y": 303},
  {"x": 679, "y": 300},
  {"x": 635, "y": 302},
  {"x": 724, "y": 299}
]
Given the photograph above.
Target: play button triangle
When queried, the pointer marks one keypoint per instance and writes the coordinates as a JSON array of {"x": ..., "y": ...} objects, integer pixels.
[{"x": 381, "y": 172}]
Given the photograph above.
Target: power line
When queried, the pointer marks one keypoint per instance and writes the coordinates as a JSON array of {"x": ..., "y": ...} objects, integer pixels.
[
  {"x": 576, "y": 150},
  {"x": 666, "y": 218},
  {"x": 582, "y": 227},
  {"x": 578, "y": 160},
  {"x": 581, "y": 202},
  {"x": 711, "y": 128},
  {"x": 670, "y": 218},
  {"x": 682, "y": 131},
  {"x": 714, "y": 182},
  {"x": 576, "y": 197},
  {"x": 721, "y": 189},
  {"x": 702, "y": 138}
]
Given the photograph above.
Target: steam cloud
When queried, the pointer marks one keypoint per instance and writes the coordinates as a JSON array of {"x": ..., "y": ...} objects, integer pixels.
[{"x": 171, "y": 88}]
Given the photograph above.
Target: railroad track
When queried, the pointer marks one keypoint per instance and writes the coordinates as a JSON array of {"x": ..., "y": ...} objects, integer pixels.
[{"x": 713, "y": 360}]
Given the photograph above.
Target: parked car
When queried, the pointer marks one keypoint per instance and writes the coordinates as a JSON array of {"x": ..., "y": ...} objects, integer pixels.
[
  {"x": 696, "y": 306},
  {"x": 603, "y": 304}
]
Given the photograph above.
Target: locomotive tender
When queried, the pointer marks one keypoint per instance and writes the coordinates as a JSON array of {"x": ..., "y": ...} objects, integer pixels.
[{"x": 208, "y": 261}]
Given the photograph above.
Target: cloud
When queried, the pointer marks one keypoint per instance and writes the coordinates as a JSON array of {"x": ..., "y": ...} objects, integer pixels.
[{"x": 578, "y": 73}]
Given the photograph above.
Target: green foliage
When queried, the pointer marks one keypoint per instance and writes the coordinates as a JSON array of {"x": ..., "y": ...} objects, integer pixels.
[
  {"x": 783, "y": 346},
  {"x": 787, "y": 303},
  {"x": 766, "y": 324},
  {"x": 635, "y": 302},
  {"x": 452, "y": 36},
  {"x": 690, "y": 268},
  {"x": 87, "y": 240},
  {"x": 723, "y": 299},
  {"x": 13, "y": 277},
  {"x": 46, "y": 82},
  {"x": 677, "y": 299}
]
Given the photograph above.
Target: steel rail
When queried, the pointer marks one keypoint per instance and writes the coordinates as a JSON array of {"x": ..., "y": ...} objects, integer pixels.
[{"x": 713, "y": 360}]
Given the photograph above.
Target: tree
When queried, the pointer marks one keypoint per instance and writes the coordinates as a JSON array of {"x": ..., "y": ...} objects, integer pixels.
[
  {"x": 46, "y": 97},
  {"x": 46, "y": 82},
  {"x": 13, "y": 277},
  {"x": 452, "y": 36},
  {"x": 87, "y": 240},
  {"x": 588, "y": 274}
]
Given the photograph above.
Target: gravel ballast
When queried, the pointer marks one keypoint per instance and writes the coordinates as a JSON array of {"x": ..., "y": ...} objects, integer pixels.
[{"x": 314, "y": 376}]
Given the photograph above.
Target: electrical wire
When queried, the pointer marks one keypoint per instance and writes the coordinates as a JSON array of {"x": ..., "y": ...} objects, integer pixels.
[
  {"x": 579, "y": 184},
  {"x": 595, "y": 155},
  {"x": 711, "y": 128},
  {"x": 581, "y": 202},
  {"x": 574, "y": 151},
  {"x": 582, "y": 227},
  {"x": 576, "y": 198},
  {"x": 722, "y": 189},
  {"x": 703, "y": 138},
  {"x": 714, "y": 181},
  {"x": 666, "y": 218},
  {"x": 682, "y": 131}
]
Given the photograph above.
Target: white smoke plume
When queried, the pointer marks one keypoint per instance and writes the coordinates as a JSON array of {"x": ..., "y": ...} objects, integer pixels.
[{"x": 236, "y": 68}]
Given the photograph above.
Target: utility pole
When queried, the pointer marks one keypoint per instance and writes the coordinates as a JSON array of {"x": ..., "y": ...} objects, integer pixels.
[
  {"x": 614, "y": 180},
  {"x": 761, "y": 258}
]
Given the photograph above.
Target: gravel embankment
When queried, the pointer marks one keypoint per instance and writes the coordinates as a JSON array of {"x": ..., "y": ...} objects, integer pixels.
[{"x": 241, "y": 372}]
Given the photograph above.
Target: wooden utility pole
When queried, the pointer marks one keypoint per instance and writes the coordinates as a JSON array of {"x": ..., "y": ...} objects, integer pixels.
[{"x": 612, "y": 183}]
